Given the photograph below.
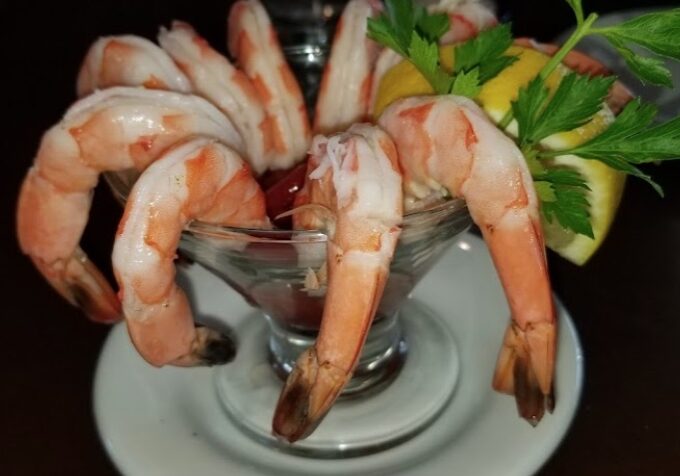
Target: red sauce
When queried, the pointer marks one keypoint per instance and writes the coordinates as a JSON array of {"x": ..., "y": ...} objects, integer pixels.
[{"x": 280, "y": 187}]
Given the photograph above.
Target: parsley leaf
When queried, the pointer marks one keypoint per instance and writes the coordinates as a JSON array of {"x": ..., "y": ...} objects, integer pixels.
[
  {"x": 485, "y": 51},
  {"x": 489, "y": 44},
  {"x": 381, "y": 31},
  {"x": 431, "y": 26},
  {"x": 425, "y": 57},
  {"x": 577, "y": 99},
  {"x": 630, "y": 140},
  {"x": 492, "y": 67},
  {"x": 467, "y": 84},
  {"x": 658, "y": 32},
  {"x": 401, "y": 17},
  {"x": 528, "y": 106},
  {"x": 648, "y": 70},
  {"x": 395, "y": 27},
  {"x": 563, "y": 196},
  {"x": 413, "y": 33},
  {"x": 630, "y": 137}
]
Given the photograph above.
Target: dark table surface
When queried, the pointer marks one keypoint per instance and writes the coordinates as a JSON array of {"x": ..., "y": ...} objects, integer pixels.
[{"x": 625, "y": 302}]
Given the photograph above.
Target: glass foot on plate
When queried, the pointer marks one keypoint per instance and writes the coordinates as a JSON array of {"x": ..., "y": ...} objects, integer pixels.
[{"x": 360, "y": 424}]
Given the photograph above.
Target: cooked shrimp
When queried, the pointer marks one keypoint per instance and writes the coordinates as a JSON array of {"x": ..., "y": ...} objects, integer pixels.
[
  {"x": 359, "y": 184},
  {"x": 253, "y": 42},
  {"x": 112, "y": 130},
  {"x": 446, "y": 144},
  {"x": 466, "y": 19},
  {"x": 345, "y": 88},
  {"x": 129, "y": 60},
  {"x": 213, "y": 77},
  {"x": 200, "y": 179}
]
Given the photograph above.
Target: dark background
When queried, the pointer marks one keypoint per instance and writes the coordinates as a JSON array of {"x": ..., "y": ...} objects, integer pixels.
[{"x": 625, "y": 302}]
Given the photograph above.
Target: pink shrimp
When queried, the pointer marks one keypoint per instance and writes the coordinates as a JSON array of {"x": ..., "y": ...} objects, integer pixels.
[
  {"x": 200, "y": 179},
  {"x": 448, "y": 145},
  {"x": 253, "y": 42},
  {"x": 213, "y": 77},
  {"x": 128, "y": 60},
  {"x": 359, "y": 183},
  {"x": 467, "y": 18},
  {"x": 345, "y": 88},
  {"x": 112, "y": 130}
]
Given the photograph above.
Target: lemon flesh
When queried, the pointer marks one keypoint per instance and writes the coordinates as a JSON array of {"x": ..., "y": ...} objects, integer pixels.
[{"x": 606, "y": 184}]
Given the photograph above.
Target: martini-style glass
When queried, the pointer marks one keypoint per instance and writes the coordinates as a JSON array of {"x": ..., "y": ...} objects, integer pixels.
[
  {"x": 408, "y": 370},
  {"x": 281, "y": 273}
]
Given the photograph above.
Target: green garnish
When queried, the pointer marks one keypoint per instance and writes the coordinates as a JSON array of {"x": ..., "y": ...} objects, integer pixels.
[
  {"x": 629, "y": 141},
  {"x": 657, "y": 32},
  {"x": 562, "y": 193},
  {"x": 425, "y": 57},
  {"x": 401, "y": 21},
  {"x": 485, "y": 53},
  {"x": 414, "y": 33},
  {"x": 577, "y": 99}
]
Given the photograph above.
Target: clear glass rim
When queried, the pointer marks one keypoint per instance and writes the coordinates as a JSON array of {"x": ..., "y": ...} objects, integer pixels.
[{"x": 452, "y": 205}]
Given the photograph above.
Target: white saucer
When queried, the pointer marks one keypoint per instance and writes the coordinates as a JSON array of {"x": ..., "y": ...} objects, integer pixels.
[{"x": 169, "y": 421}]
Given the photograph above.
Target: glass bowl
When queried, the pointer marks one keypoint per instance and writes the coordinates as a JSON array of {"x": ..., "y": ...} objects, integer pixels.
[{"x": 281, "y": 273}]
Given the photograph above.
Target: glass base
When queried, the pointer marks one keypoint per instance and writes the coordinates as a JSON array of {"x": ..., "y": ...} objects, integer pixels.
[
  {"x": 381, "y": 359},
  {"x": 363, "y": 423}
]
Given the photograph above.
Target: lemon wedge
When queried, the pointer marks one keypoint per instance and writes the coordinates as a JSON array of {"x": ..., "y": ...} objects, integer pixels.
[{"x": 606, "y": 184}]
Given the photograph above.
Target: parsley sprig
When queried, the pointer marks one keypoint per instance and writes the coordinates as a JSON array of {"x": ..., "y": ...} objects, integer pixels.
[
  {"x": 563, "y": 196},
  {"x": 629, "y": 141},
  {"x": 414, "y": 33},
  {"x": 658, "y": 33},
  {"x": 577, "y": 99}
]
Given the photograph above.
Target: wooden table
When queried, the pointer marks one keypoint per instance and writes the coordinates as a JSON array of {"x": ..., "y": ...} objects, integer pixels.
[{"x": 625, "y": 302}]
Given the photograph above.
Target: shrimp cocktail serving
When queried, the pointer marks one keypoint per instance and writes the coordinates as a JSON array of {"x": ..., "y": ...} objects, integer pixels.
[{"x": 416, "y": 107}]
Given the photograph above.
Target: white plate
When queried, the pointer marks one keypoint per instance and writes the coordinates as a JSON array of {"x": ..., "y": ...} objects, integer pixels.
[{"x": 169, "y": 421}]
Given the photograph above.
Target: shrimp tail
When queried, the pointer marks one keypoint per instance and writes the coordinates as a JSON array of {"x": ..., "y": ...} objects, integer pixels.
[
  {"x": 82, "y": 284},
  {"x": 480, "y": 164},
  {"x": 209, "y": 347},
  {"x": 91, "y": 290},
  {"x": 523, "y": 369},
  {"x": 307, "y": 396},
  {"x": 361, "y": 244},
  {"x": 199, "y": 179},
  {"x": 167, "y": 334}
]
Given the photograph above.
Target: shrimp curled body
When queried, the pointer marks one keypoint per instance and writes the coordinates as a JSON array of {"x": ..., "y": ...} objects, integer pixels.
[
  {"x": 200, "y": 179},
  {"x": 116, "y": 129},
  {"x": 253, "y": 42},
  {"x": 447, "y": 145},
  {"x": 345, "y": 88},
  {"x": 359, "y": 183},
  {"x": 128, "y": 60}
]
